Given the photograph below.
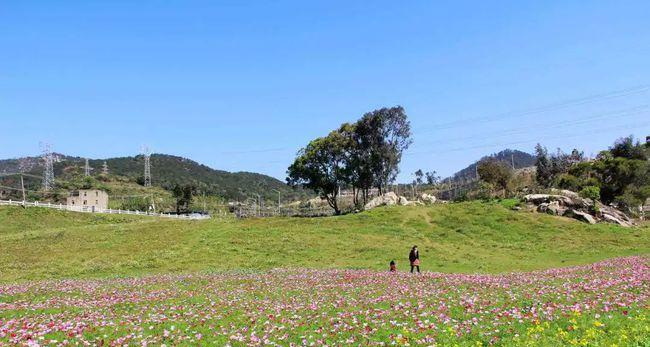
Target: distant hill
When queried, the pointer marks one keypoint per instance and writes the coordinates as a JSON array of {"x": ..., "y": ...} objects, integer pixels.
[
  {"x": 519, "y": 158},
  {"x": 167, "y": 170}
]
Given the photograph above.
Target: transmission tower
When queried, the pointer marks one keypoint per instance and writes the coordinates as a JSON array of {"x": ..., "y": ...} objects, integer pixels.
[
  {"x": 87, "y": 168},
  {"x": 48, "y": 174},
  {"x": 146, "y": 152}
]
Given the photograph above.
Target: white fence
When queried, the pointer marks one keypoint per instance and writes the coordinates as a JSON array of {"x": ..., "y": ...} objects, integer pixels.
[{"x": 89, "y": 209}]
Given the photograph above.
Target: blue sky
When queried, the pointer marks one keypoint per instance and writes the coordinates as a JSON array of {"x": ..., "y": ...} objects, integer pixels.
[{"x": 241, "y": 85}]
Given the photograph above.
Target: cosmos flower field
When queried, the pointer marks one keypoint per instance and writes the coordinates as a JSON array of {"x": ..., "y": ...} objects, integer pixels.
[{"x": 602, "y": 304}]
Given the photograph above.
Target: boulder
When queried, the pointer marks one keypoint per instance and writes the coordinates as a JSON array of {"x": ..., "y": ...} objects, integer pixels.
[
  {"x": 564, "y": 192},
  {"x": 552, "y": 207},
  {"x": 613, "y": 212},
  {"x": 537, "y": 198},
  {"x": 427, "y": 199},
  {"x": 575, "y": 202},
  {"x": 414, "y": 203},
  {"x": 313, "y": 203},
  {"x": 387, "y": 199},
  {"x": 402, "y": 201},
  {"x": 611, "y": 219},
  {"x": 581, "y": 216}
]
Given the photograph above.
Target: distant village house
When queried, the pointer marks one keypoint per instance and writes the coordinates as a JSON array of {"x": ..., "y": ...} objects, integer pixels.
[{"x": 88, "y": 199}]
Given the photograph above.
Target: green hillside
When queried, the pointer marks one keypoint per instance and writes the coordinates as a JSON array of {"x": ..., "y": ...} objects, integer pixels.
[
  {"x": 467, "y": 237},
  {"x": 516, "y": 158},
  {"x": 167, "y": 170}
]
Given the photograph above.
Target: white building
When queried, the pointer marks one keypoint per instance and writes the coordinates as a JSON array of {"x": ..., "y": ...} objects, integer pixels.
[{"x": 88, "y": 199}]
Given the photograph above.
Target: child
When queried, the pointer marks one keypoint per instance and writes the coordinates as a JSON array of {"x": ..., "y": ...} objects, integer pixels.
[{"x": 393, "y": 267}]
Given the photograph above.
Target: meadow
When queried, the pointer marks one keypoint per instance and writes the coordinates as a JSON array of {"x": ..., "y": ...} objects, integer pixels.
[
  {"x": 473, "y": 237},
  {"x": 492, "y": 276},
  {"x": 603, "y": 304}
]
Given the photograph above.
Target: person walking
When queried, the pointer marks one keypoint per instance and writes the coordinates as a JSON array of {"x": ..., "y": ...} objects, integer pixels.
[{"x": 414, "y": 258}]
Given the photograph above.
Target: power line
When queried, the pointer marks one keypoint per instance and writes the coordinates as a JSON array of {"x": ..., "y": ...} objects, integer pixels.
[
  {"x": 19, "y": 173},
  {"x": 538, "y": 139},
  {"x": 546, "y": 108},
  {"x": 520, "y": 130},
  {"x": 532, "y": 111},
  {"x": 19, "y": 189}
]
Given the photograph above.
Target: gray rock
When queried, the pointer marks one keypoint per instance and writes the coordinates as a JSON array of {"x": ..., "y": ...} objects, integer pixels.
[
  {"x": 388, "y": 199},
  {"x": 427, "y": 199},
  {"x": 564, "y": 192},
  {"x": 611, "y": 219},
  {"x": 576, "y": 202},
  {"x": 581, "y": 216},
  {"x": 555, "y": 208}
]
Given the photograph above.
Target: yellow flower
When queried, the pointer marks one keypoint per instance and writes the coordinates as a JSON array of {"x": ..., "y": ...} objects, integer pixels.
[{"x": 598, "y": 324}]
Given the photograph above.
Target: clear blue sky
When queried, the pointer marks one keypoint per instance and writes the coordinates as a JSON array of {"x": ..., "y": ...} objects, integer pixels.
[{"x": 242, "y": 85}]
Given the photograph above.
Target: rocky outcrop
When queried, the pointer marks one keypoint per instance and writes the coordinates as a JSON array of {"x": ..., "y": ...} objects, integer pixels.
[
  {"x": 570, "y": 204},
  {"x": 569, "y": 201},
  {"x": 582, "y": 216},
  {"x": 612, "y": 215},
  {"x": 388, "y": 199},
  {"x": 427, "y": 199},
  {"x": 391, "y": 199}
]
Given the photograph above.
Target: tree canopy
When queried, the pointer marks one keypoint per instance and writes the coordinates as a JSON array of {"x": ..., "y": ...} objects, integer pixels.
[{"x": 361, "y": 156}]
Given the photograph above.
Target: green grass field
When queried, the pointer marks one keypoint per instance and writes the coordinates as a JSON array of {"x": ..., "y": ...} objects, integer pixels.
[{"x": 37, "y": 243}]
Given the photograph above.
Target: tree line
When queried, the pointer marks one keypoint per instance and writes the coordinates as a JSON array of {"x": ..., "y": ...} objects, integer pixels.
[
  {"x": 360, "y": 156},
  {"x": 619, "y": 175}
]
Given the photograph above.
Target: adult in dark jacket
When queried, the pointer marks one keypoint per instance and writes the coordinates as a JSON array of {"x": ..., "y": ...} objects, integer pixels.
[{"x": 414, "y": 258}]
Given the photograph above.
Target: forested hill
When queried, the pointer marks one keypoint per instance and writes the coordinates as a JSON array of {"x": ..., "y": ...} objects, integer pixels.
[
  {"x": 167, "y": 170},
  {"x": 520, "y": 159}
]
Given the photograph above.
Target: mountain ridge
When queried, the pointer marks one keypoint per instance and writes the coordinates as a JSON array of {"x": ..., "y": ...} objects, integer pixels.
[
  {"x": 518, "y": 159},
  {"x": 167, "y": 170}
]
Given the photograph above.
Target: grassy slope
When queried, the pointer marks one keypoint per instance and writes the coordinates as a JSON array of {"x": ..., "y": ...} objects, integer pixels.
[{"x": 468, "y": 237}]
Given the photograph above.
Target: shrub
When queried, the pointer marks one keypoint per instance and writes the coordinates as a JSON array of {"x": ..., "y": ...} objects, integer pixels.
[
  {"x": 568, "y": 181},
  {"x": 590, "y": 192}
]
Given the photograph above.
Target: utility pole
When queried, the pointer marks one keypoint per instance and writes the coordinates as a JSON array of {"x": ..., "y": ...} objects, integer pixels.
[
  {"x": 48, "y": 174},
  {"x": 512, "y": 158},
  {"x": 87, "y": 168},
  {"x": 22, "y": 167},
  {"x": 22, "y": 186}
]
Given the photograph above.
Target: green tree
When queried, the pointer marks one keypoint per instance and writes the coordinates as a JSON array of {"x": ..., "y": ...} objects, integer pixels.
[
  {"x": 321, "y": 167},
  {"x": 495, "y": 172},
  {"x": 627, "y": 148},
  {"x": 183, "y": 194},
  {"x": 432, "y": 178},
  {"x": 382, "y": 136},
  {"x": 543, "y": 170},
  {"x": 551, "y": 167}
]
